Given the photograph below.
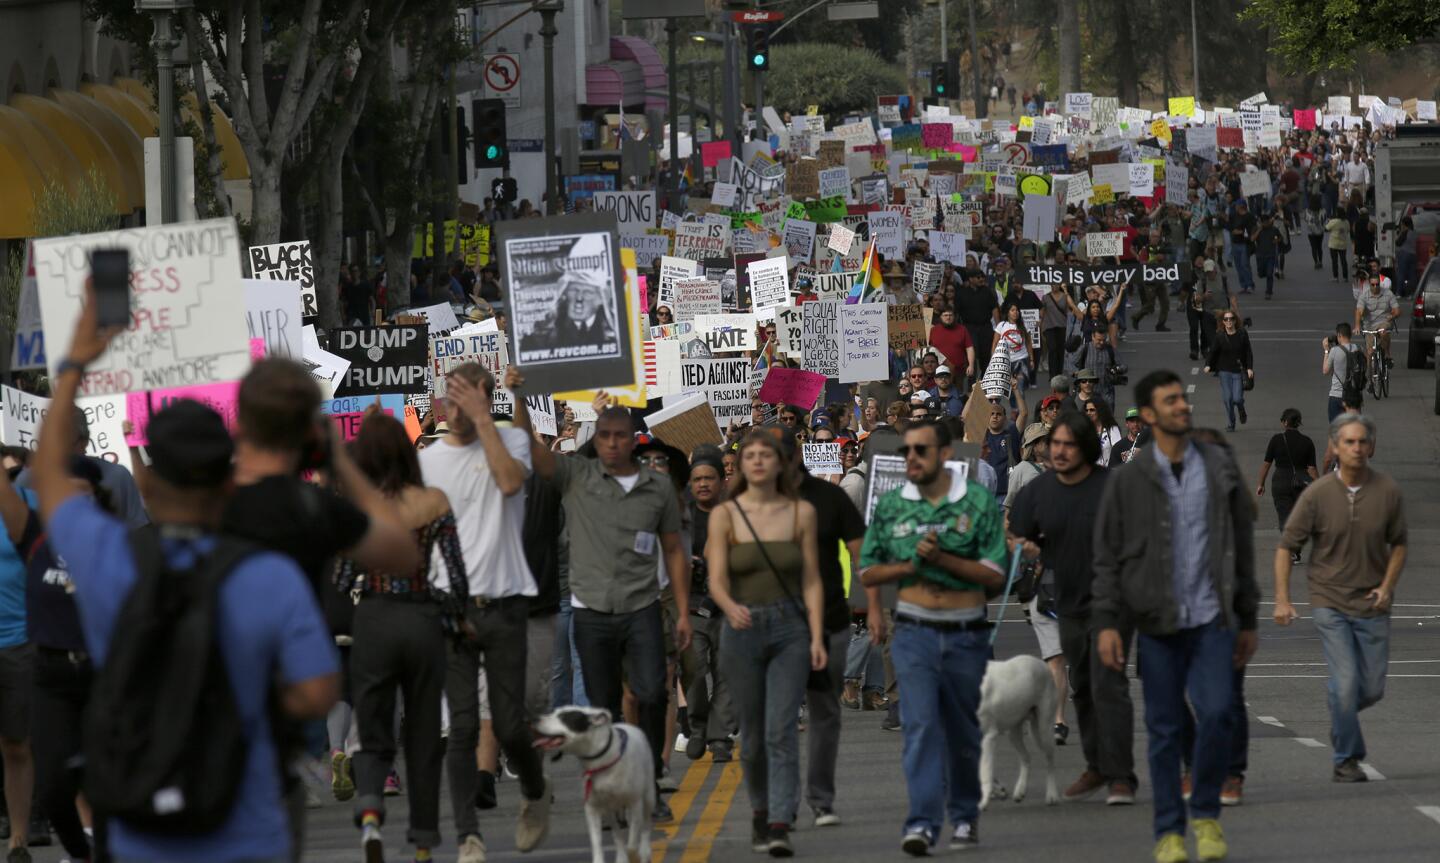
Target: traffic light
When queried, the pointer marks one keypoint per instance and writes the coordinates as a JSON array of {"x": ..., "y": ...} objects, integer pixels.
[
  {"x": 757, "y": 43},
  {"x": 462, "y": 143},
  {"x": 941, "y": 87},
  {"x": 491, "y": 150},
  {"x": 504, "y": 190}
]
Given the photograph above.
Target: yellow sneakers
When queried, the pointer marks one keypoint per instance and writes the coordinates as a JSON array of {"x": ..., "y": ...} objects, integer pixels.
[
  {"x": 1209, "y": 839},
  {"x": 1171, "y": 849}
]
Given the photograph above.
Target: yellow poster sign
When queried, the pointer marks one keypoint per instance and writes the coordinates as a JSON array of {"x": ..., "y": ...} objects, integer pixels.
[
  {"x": 1160, "y": 129},
  {"x": 1101, "y": 193},
  {"x": 1182, "y": 106}
]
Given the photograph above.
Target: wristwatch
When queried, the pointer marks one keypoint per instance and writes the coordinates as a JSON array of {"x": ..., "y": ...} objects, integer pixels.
[{"x": 68, "y": 364}]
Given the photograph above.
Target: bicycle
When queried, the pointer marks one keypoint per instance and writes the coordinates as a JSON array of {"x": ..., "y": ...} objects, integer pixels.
[{"x": 1379, "y": 363}]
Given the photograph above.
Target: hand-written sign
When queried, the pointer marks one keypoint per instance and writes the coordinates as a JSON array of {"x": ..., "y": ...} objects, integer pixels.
[
  {"x": 789, "y": 330},
  {"x": 487, "y": 349},
  {"x": 905, "y": 325},
  {"x": 634, "y": 211},
  {"x": 139, "y": 407},
  {"x": 792, "y": 387},
  {"x": 725, "y": 383},
  {"x": 272, "y": 314},
  {"x": 24, "y": 414},
  {"x": 863, "y": 347},
  {"x": 727, "y": 333},
  {"x": 187, "y": 306},
  {"x": 1110, "y": 243},
  {"x": 289, "y": 262},
  {"x": 820, "y": 336}
]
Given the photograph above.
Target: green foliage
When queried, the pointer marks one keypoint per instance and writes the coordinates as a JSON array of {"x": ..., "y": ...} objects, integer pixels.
[
  {"x": 1311, "y": 36},
  {"x": 836, "y": 78},
  {"x": 88, "y": 210},
  {"x": 885, "y": 36}
]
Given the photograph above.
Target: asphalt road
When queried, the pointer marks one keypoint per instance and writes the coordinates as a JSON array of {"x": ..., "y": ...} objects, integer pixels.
[{"x": 1292, "y": 811}]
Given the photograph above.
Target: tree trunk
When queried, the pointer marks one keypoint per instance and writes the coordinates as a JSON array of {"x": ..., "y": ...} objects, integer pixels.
[
  {"x": 982, "y": 90},
  {"x": 214, "y": 165},
  {"x": 399, "y": 243},
  {"x": 1123, "y": 50},
  {"x": 265, "y": 212},
  {"x": 1069, "y": 33},
  {"x": 328, "y": 241}
]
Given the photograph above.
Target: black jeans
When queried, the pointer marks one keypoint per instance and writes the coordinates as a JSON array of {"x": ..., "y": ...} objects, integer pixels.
[
  {"x": 501, "y": 628},
  {"x": 1054, "y": 340},
  {"x": 1316, "y": 254},
  {"x": 1339, "y": 264},
  {"x": 1102, "y": 703},
  {"x": 399, "y": 643},
  {"x": 629, "y": 647},
  {"x": 1202, "y": 329},
  {"x": 62, "y": 690}
]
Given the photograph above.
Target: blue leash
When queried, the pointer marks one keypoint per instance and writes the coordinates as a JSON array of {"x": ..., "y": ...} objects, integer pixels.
[{"x": 1005, "y": 597}]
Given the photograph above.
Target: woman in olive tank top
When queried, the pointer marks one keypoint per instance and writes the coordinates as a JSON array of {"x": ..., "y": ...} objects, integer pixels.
[{"x": 764, "y": 574}]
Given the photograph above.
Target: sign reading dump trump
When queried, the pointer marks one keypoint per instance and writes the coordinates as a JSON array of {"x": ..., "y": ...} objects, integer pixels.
[
  {"x": 567, "y": 322},
  {"x": 187, "y": 306}
]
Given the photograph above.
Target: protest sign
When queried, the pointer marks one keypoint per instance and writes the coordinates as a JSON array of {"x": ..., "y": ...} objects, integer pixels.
[
  {"x": 700, "y": 240},
  {"x": 822, "y": 458},
  {"x": 1078, "y": 104},
  {"x": 712, "y": 153},
  {"x": 388, "y": 359},
  {"x": 647, "y": 247},
  {"x": 725, "y": 381},
  {"x": 727, "y": 332},
  {"x": 802, "y": 178},
  {"x": 187, "y": 306},
  {"x": 799, "y": 240},
  {"x": 272, "y": 314},
  {"x": 964, "y": 217},
  {"x": 1077, "y": 188},
  {"x": 449, "y": 351},
  {"x": 997, "y": 379},
  {"x": 1046, "y": 274},
  {"x": 926, "y": 277},
  {"x": 1142, "y": 179},
  {"x": 833, "y": 286},
  {"x": 834, "y": 182},
  {"x": 792, "y": 387},
  {"x": 826, "y": 210},
  {"x": 1031, "y": 318},
  {"x": 685, "y": 423},
  {"x": 326, "y": 368},
  {"x": 1101, "y": 193},
  {"x": 905, "y": 326},
  {"x": 789, "y": 330},
  {"x": 288, "y": 262},
  {"x": 440, "y": 318},
  {"x": 841, "y": 239},
  {"x": 820, "y": 336},
  {"x": 696, "y": 297},
  {"x": 1177, "y": 185},
  {"x": 391, "y": 404},
  {"x": 724, "y": 194},
  {"x": 634, "y": 211},
  {"x": 673, "y": 270},
  {"x": 139, "y": 407},
  {"x": 948, "y": 247},
  {"x": 1182, "y": 106},
  {"x": 1254, "y": 183},
  {"x": 887, "y": 473},
  {"x": 662, "y": 367},
  {"x": 1039, "y": 224},
  {"x": 769, "y": 284},
  {"x": 29, "y": 349},
  {"x": 755, "y": 185},
  {"x": 856, "y": 133},
  {"x": 24, "y": 413},
  {"x": 567, "y": 295},
  {"x": 1338, "y": 105},
  {"x": 863, "y": 345},
  {"x": 1110, "y": 243},
  {"x": 887, "y": 229}
]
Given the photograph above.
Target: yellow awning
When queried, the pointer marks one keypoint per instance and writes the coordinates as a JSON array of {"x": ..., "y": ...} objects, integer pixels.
[
  {"x": 117, "y": 133},
  {"x": 21, "y": 183},
  {"x": 89, "y": 145},
  {"x": 141, "y": 118},
  {"x": 237, "y": 167},
  {"x": 56, "y": 161}
]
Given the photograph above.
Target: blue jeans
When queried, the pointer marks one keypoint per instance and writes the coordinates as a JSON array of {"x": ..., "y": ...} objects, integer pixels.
[
  {"x": 1266, "y": 265},
  {"x": 1232, "y": 393},
  {"x": 1334, "y": 408},
  {"x": 567, "y": 687},
  {"x": 1196, "y": 661},
  {"x": 766, "y": 667},
  {"x": 865, "y": 662},
  {"x": 1240, "y": 731},
  {"x": 1357, "y": 650},
  {"x": 1240, "y": 257},
  {"x": 939, "y": 672}
]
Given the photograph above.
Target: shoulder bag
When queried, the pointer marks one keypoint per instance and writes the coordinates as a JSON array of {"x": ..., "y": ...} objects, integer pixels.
[{"x": 1299, "y": 479}]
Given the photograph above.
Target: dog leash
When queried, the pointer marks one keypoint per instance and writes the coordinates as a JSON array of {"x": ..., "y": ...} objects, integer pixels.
[
  {"x": 1005, "y": 597},
  {"x": 592, "y": 772}
]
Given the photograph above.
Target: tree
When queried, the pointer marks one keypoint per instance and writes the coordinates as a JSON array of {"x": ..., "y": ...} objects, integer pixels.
[
  {"x": 1313, "y": 37},
  {"x": 1068, "y": 24},
  {"x": 836, "y": 78}
]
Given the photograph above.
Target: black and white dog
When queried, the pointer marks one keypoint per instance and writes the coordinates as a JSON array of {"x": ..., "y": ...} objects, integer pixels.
[
  {"x": 619, "y": 776},
  {"x": 1016, "y": 693}
]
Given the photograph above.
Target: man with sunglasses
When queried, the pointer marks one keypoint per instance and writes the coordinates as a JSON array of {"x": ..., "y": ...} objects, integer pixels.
[{"x": 941, "y": 537}]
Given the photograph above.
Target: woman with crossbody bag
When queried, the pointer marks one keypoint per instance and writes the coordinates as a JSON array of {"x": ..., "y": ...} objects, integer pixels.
[
  {"x": 1292, "y": 455},
  {"x": 762, "y": 557}
]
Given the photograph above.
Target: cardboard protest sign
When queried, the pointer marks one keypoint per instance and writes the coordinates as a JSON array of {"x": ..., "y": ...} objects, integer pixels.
[
  {"x": 1142, "y": 179},
  {"x": 789, "y": 330},
  {"x": 696, "y": 296},
  {"x": 567, "y": 300},
  {"x": 685, "y": 423},
  {"x": 382, "y": 359},
  {"x": 288, "y": 262},
  {"x": 727, "y": 332},
  {"x": 23, "y": 414},
  {"x": 841, "y": 239},
  {"x": 440, "y": 318},
  {"x": 449, "y": 351},
  {"x": 1254, "y": 183},
  {"x": 802, "y": 178},
  {"x": 792, "y": 387},
  {"x": 673, "y": 270},
  {"x": 647, "y": 246},
  {"x": 948, "y": 247},
  {"x": 822, "y": 458},
  {"x": 887, "y": 473},
  {"x": 187, "y": 306},
  {"x": 1100, "y": 245},
  {"x": 725, "y": 382},
  {"x": 833, "y": 182},
  {"x": 1177, "y": 185},
  {"x": 272, "y": 314},
  {"x": 820, "y": 335},
  {"x": 1046, "y": 274},
  {"x": 799, "y": 240},
  {"x": 700, "y": 240},
  {"x": 905, "y": 327},
  {"x": 863, "y": 344},
  {"x": 1101, "y": 193},
  {"x": 634, "y": 211},
  {"x": 887, "y": 229}
]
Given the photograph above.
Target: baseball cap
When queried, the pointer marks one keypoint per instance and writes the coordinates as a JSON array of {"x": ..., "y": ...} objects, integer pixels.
[
  {"x": 189, "y": 446},
  {"x": 942, "y": 370},
  {"x": 1132, "y": 414},
  {"x": 1048, "y": 401}
]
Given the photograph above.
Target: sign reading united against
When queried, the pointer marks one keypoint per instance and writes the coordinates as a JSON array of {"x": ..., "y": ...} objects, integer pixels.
[{"x": 187, "y": 306}]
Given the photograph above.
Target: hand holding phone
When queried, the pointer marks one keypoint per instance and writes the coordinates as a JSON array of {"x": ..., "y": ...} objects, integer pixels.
[{"x": 110, "y": 271}]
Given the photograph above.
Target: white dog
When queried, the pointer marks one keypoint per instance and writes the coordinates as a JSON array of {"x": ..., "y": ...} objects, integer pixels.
[
  {"x": 1015, "y": 692},
  {"x": 619, "y": 776}
]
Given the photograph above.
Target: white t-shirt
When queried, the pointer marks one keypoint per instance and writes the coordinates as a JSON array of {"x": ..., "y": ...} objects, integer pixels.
[
  {"x": 487, "y": 521},
  {"x": 1012, "y": 341}
]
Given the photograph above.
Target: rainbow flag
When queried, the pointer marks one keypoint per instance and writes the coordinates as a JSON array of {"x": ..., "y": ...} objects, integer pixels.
[{"x": 869, "y": 277}]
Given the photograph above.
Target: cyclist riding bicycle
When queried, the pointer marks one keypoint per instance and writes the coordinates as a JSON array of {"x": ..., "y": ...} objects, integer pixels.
[{"x": 1376, "y": 310}]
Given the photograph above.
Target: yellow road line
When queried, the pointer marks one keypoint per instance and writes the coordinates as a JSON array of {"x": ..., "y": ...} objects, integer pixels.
[
  {"x": 680, "y": 803},
  {"x": 697, "y": 850}
]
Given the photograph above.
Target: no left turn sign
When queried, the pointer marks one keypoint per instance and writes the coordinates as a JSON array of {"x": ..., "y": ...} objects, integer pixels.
[{"x": 502, "y": 78}]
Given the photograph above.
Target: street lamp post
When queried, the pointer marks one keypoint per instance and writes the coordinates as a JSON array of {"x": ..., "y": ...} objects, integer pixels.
[
  {"x": 547, "y": 11},
  {"x": 672, "y": 29},
  {"x": 165, "y": 42}
]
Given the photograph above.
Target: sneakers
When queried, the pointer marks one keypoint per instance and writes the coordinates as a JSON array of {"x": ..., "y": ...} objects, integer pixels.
[
  {"x": 1062, "y": 733},
  {"x": 534, "y": 821},
  {"x": 721, "y": 751},
  {"x": 1209, "y": 840},
  {"x": 965, "y": 836},
  {"x": 667, "y": 783},
  {"x": 694, "y": 747},
  {"x": 472, "y": 850},
  {"x": 778, "y": 841},
  {"x": 1171, "y": 849},
  {"x": 759, "y": 833},
  {"x": 392, "y": 784},
  {"x": 1349, "y": 771},
  {"x": 485, "y": 796},
  {"x": 371, "y": 845},
  {"x": 1233, "y": 791},
  {"x": 39, "y": 830},
  {"x": 1088, "y": 783},
  {"x": 825, "y": 816},
  {"x": 1122, "y": 793},
  {"x": 342, "y": 783},
  {"x": 892, "y": 719},
  {"x": 917, "y": 842},
  {"x": 850, "y": 698},
  {"x": 682, "y": 742},
  {"x": 662, "y": 813},
  {"x": 875, "y": 700},
  {"x": 1294, "y": 558},
  {"x": 1187, "y": 786}
]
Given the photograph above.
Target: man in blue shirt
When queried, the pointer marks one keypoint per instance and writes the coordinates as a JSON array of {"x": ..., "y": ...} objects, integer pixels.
[{"x": 280, "y": 645}]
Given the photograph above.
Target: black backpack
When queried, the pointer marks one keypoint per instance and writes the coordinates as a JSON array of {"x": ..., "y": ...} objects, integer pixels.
[
  {"x": 1356, "y": 374},
  {"x": 165, "y": 746}
]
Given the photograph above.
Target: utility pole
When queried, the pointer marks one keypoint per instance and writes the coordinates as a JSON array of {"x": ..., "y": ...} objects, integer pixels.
[
  {"x": 731, "y": 89},
  {"x": 1195, "y": 51},
  {"x": 672, "y": 29},
  {"x": 165, "y": 43},
  {"x": 944, "y": 34},
  {"x": 980, "y": 108},
  {"x": 548, "y": 10}
]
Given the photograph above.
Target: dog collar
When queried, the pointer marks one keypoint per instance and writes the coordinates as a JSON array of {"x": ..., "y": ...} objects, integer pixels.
[{"x": 592, "y": 772}]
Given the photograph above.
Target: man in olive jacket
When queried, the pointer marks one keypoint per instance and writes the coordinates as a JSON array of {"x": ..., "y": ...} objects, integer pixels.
[{"x": 1175, "y": 556}]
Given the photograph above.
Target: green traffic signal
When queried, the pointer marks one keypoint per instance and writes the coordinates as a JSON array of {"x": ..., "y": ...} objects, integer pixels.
[
  {"x": 492, "y": 152},
  {"x": 939, "y": 88},
  {"x": 759, "y": 60}
]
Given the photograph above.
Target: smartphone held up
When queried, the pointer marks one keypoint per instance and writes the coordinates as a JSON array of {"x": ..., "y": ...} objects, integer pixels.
[{"x": 110, "y": 274}]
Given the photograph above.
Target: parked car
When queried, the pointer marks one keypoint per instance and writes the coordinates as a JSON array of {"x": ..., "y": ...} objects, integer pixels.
[
  {"x": 1427, "y": 219},
  {"x": 1425, "y": 316}
]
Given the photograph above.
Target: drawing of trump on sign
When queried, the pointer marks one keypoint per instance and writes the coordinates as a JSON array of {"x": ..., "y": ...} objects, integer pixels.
[{"x": 581, "y": 319}]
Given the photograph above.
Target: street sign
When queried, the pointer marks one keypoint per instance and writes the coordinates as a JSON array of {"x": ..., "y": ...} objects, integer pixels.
[
  {"x": 756, "y": 17},
  {"x": 501, "y": 77},
  {"x": 852, "y": 11}
]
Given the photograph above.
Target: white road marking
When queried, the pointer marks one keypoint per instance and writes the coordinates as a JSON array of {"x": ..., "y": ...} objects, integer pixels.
[
  {"x": 1392, "y": 605},
  {"x": 1370, "y": 771},
  {"x": 1431, "y": 812},
  {"x": 1309, "y": 741},
  {"x": 1322, "y": 664},
  {"x": 1194, "y": 370},
  {"x": 1327, "y": 677},
  {"x": 1270, "y": 720},
  {"x": 1190, "y": 388}
]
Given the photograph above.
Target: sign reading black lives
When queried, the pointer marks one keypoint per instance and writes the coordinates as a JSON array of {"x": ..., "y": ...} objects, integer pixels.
[
  {"x": 383, "y": 360},
  {"x": 289, "y": 262},
  {"x": 1126, "y": 274},
  {"x": 568, "y": 326}
]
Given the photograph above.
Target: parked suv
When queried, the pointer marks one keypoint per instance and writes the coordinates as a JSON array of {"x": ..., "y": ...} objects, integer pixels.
[{"x": 1425, "y": 317}]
